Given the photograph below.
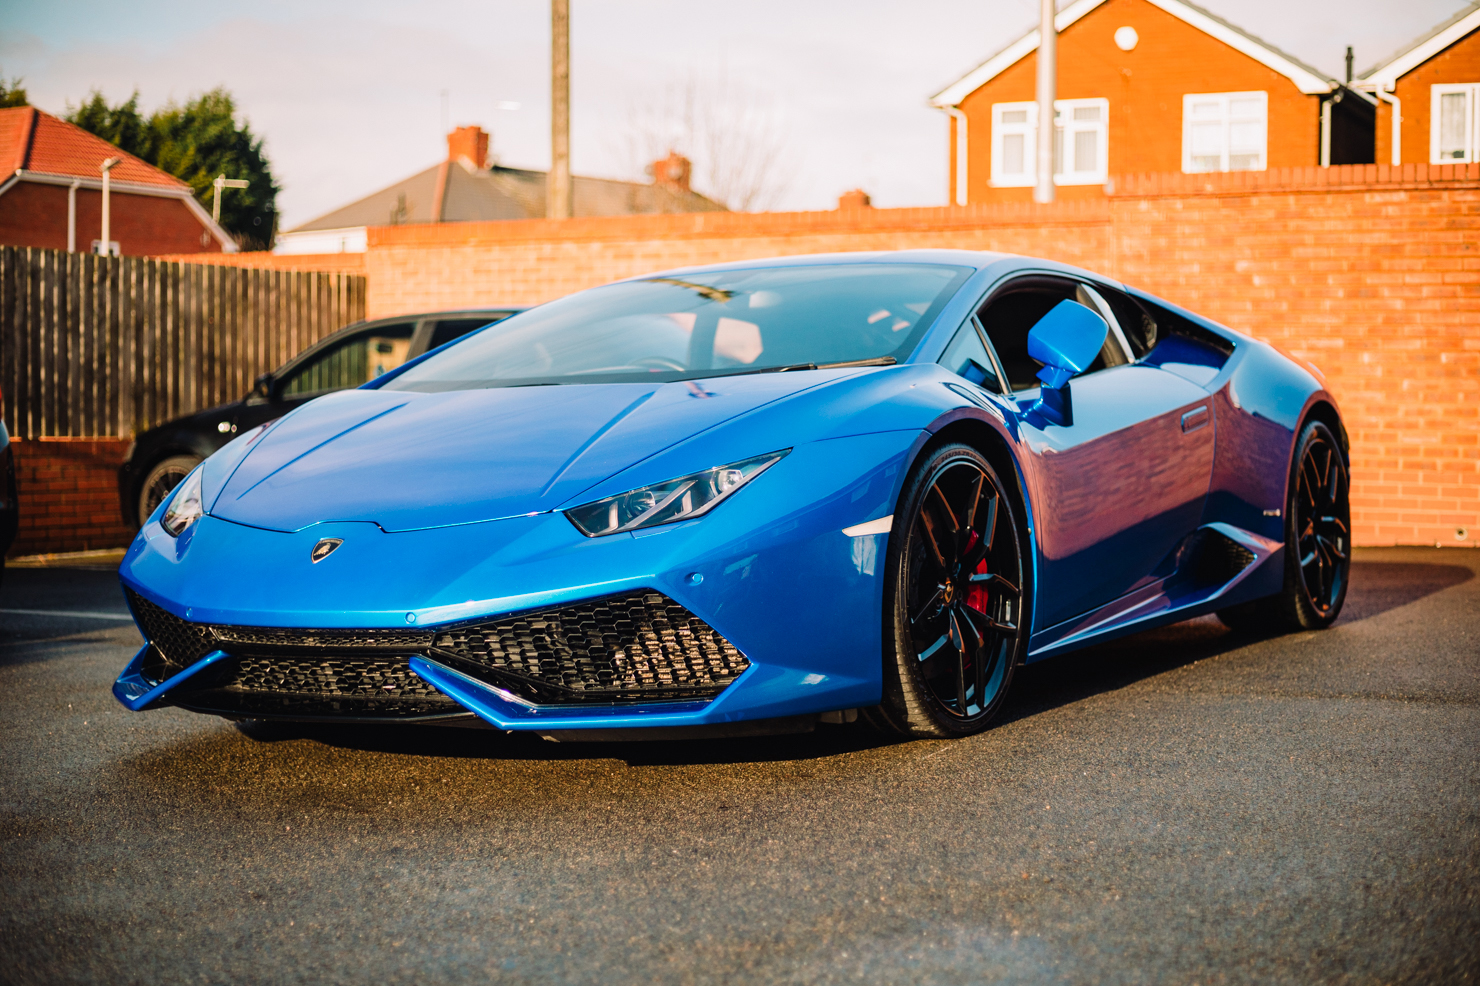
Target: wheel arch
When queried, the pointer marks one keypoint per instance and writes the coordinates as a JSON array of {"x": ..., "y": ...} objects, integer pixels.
[{"x": 989, "y": 436}]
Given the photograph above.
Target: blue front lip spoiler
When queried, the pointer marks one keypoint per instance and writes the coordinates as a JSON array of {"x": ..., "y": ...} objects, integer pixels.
[
  {"x": 508, "y": 711},
  {"x": 138, "y": 693}
]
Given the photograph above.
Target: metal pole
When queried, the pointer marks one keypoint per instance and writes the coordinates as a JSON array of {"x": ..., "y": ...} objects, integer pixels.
[
  {"x": 106, "y": 248},
  {"x": 72, "y": 216},
  {"x": 1047, "y": 76},
  {"x": 558, "y": 188}
]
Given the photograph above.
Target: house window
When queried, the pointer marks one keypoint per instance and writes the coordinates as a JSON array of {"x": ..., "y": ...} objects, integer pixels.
[
  {"x": 1225, "y": 131},
  {"x": 1081, "y": 146},
  {"x": 1454, "y": 124}
]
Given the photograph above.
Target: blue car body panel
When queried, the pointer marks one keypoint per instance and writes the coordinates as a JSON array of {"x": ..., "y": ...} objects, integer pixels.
[{"x": 448, "y": 506}]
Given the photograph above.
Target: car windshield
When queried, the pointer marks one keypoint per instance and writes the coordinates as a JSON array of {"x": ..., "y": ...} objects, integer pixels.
[{"x": 705, "y": 324}]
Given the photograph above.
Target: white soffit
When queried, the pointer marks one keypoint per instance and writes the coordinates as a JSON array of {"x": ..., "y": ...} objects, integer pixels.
[
  {"x": 1405, "y": 61},
  {"x": 1307, "y": 79}
]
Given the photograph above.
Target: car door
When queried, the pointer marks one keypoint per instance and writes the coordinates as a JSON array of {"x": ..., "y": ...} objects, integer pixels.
[
  {"x": 1120, "y": 485},
  {"x": 348, "y": 361}
]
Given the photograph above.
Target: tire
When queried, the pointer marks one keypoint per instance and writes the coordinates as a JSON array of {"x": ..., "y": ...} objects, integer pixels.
[
  {"x": 162, "y": 479},
  {"x": 954, "y": 592},
  {"x": 1317, "y": 543}
]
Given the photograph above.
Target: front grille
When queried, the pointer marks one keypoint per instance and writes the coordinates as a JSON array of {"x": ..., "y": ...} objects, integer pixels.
[
  {"x": 378, "y": 685},
  {"x": 638, "y": 647}
]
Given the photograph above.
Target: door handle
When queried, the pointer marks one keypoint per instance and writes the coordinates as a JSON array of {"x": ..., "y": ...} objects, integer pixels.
[{"x": 1195, "y": 419}]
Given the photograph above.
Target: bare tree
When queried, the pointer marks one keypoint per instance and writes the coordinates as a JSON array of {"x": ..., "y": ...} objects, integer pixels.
[{"x": 733, "y": 134}]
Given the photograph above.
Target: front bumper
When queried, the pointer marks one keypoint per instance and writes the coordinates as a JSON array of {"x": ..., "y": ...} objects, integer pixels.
[{"x": 793, "y": 606}]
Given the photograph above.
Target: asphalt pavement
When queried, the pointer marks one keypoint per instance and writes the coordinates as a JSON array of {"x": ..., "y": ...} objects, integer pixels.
[{"x": 1182, "y": 806}]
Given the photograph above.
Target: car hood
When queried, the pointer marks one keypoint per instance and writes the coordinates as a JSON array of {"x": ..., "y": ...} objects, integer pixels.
[{"x": 408, "y": 461}]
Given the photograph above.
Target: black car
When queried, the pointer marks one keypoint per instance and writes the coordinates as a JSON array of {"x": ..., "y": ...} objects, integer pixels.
[{"x": 162, "y": 456}]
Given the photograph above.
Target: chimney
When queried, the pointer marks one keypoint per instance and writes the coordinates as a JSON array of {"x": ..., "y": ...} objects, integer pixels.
[
  {"x": 470, "y": 143},
  {"x": 856, "y": 199},
  {"x": 672, "y": 172}
]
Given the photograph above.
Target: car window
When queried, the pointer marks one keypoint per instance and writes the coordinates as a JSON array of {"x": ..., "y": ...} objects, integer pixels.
[
  {"x": 357, "y": 359},
  {"x": 449, "y": 329},
  {"x": 705, "y": 323},
  {"x": 1136, "y": 324},
  {"x": 1010, "y": 314},
  {"x": 967, "y": 357}
]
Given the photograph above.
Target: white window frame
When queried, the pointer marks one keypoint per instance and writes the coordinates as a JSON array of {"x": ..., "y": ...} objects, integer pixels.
[
  {"x": 1066, "y": 127},
  {"x": 1226, "y": 100},
  {"x": 1471, "y": 90}
]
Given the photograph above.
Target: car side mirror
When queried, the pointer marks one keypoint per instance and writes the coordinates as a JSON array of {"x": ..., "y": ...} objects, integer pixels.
[
  {"x": 262, "y": 388},
  {"x": 1065, "y": 341}
]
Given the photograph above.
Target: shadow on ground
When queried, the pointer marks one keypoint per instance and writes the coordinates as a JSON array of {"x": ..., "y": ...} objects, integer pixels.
[{"x": 1376, "y": 587}]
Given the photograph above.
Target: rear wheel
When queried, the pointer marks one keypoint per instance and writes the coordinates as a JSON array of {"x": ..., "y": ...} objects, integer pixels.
[
  {"x": 161, "y": 481},
  {"x": 1317, "y": 543},
  {"x": 954, "y": 614}
]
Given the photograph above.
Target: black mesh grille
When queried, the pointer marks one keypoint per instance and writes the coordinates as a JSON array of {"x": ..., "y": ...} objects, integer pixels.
[
  {"x": 633, "y": 648},
  {"x": 180, "y": 643},
  {"x": 373, "y": 685},
  {"x": 637, "y": 647}
]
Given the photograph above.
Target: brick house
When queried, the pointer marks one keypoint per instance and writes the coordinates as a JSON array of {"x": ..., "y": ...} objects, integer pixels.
[
  {"x": 466, "y": 187},
  {"x": 1146, "y": 86},
  {"x": 51, "y": 194},
  {"x": 1430, "y": 96}
]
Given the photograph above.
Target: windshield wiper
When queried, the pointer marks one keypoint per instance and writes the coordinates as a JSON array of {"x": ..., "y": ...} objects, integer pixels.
[{"x": 878, "y": 361}]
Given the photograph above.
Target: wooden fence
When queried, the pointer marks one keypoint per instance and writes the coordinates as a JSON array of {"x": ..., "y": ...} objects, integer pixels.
[{"x": 101, "y": 346}]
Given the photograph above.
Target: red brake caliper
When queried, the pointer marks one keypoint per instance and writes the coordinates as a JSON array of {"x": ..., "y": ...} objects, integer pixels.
[{"x": 977, "y": 597}]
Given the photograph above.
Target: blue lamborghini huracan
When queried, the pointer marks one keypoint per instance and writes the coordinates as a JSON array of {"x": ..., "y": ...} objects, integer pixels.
[{"x": 747, "y": 498}]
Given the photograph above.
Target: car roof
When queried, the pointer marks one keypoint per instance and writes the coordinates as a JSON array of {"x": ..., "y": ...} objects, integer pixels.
[{"x": 975, "y": 259}]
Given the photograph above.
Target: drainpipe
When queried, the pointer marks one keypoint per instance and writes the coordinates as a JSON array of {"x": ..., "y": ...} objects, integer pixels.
[
  {"x": 1380, "y": 91},
  {"x": 1326, "y": 132},
  {"x": 72, "y": 216},
  {"x": 1047, "y": 59},
  {"x": 959, "y": 192},
  {"x": 106, "y": 246}
]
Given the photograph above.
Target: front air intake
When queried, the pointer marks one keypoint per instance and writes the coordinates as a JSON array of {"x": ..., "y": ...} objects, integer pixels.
[{"x": 638, "y": 647}]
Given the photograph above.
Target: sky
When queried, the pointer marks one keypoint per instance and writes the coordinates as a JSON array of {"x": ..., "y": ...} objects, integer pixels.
[{"x": 351, "y": 97}]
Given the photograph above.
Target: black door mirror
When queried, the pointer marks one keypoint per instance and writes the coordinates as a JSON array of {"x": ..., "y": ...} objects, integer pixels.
[{"x": 262, "y": 389}]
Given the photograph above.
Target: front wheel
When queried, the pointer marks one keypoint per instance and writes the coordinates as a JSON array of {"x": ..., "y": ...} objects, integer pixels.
[
  {"x": 955, "y": 620},
  {"x": 1317, "y": 543}
]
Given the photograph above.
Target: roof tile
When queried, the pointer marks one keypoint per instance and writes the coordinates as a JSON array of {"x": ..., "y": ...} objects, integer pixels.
[{"x": 37, "y": 141}]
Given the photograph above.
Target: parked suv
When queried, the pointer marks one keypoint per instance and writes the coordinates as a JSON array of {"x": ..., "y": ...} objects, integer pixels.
[{"x": 356, "y": 354}]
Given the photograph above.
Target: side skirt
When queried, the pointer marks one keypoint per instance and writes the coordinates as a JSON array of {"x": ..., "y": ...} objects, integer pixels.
[{"x": 1170, "y": 600}]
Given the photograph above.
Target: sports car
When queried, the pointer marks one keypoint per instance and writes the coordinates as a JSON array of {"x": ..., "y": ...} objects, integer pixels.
[{"x": 748, "y": 498}]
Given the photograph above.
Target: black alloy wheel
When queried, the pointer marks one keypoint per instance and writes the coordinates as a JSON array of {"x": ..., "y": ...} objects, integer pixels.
[
  {"x": 161, "y": 481},
  {"x": 1320, "y": 518},
  {"x": 1317, "y": 543},
  {"x": 954, "y": 603}
]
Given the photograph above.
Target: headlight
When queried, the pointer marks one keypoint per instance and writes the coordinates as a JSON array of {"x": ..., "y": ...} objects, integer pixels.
[
  {"x": 185, "y": 508},
  {"x": 665, "y": 503}
]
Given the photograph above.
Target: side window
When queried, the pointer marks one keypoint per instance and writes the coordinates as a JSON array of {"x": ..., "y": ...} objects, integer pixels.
[
  {"x": 455, "y": 328},
  {"x": 350, "y": 362},
  {"x": 1010, "y": 314},
  {"x": 1136, "y": 324},
  {"x": 967, "y": 357}
]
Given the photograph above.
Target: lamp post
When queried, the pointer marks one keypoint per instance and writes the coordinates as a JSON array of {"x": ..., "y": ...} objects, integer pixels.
[
  {"x": 222, "y": 182},
  {"x": 1047, "y": 79},
  {"x": 106, "y": 246},
  {"x": 558, "y": 203}
]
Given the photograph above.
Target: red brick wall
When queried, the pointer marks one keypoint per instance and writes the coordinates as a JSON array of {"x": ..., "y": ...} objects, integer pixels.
[
  {"x": 35, "y": 215},
  {"x": 68, "y": 490},
  {"x": 1371, "y": 273},
  {"x": 1460, "y": 62},
  {"x": 1144, "y": 87}
]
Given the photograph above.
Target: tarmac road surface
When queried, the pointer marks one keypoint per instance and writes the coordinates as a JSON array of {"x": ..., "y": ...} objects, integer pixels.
[{"x": 1181, "y": 806}]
